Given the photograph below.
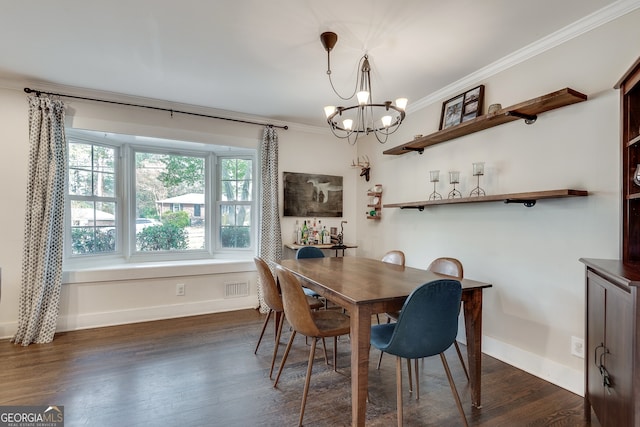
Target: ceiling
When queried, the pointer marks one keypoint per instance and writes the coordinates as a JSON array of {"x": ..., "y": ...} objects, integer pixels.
[{"x": 264, "y": 58}]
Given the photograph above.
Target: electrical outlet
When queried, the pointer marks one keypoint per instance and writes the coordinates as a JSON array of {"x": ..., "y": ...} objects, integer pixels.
[
  {"x": 577, "y": 347},
  {"x": 180, "y": 289}
]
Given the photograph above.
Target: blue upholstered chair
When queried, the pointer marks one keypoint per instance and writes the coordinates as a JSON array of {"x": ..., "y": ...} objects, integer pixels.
[
  {"x": 427, "y": 325},
  {"x": 449, "y": 267},
  {"x": 310, "y": 252}
]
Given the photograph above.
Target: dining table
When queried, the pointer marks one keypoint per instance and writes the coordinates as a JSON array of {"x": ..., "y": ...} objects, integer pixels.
[{"x": 364, "y": 287}]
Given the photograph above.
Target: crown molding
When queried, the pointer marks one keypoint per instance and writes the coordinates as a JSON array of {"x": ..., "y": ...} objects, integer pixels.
[{"x": 584, "y": 25}]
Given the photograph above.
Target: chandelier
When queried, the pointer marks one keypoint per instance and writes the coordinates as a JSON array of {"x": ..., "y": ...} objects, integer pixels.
[{"x": 365, "y": 117}]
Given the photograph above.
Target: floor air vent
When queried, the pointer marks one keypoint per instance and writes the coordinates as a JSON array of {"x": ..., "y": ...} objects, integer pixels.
[{"x": 237, "y": 289}]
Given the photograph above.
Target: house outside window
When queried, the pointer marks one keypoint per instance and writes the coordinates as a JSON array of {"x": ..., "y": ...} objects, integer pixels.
[
  {"x": 140, "y": 201},
  {"x": 92, "y": 198}
]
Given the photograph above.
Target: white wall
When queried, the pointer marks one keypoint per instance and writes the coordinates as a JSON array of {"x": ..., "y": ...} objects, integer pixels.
[
  {"x": 113, "y": 295},
  {"x": 530, "y": 255}
]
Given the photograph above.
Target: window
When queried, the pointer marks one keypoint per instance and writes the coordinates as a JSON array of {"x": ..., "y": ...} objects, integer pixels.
[
  {"x": 236, "y": 190},
  {"x": 92, "y": 198},
  {"x": 146, "y": 199},
  {"x": 167, "y": 188}
]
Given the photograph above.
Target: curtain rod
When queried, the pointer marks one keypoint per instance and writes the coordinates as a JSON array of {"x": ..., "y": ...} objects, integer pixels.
[{"x": 39, "y": 92}]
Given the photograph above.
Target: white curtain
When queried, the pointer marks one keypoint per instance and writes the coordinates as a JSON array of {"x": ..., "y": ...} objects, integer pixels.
[
  {"x": 270, "y": 234},
  {"x": 44, "y": 223}
]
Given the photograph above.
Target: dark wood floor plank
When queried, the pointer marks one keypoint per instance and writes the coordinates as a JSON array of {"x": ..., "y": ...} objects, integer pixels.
[{"x": 201, "y": 371}]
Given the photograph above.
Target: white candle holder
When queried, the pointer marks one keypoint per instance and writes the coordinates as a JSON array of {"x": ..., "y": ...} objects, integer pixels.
[
  {"x": 434, "y": 176},
  {"x": 478, "y": 170},
  {"x": 454, "y": 178}
]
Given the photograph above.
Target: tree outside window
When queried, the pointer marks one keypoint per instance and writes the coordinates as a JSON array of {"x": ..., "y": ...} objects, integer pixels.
[{"x": 235, "y": 202}]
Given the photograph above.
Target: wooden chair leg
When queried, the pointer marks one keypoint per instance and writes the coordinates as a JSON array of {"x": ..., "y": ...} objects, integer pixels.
[
  {"x": 277, "y": 344},
  {"x": 410, "y": 375},
  {"x": 464, "y": 366},
  {"x": 453, "y": 388},
  {"x": 417, "y": 379},
  {"x": 399, "y": 389},
  {"x": 307, "y": 380},
  {"x": 324, "y": 347},
  {"x": 264, "y": 326},
  {"x": 284, "y": 357},
  {"x": 335, "y": 354}
]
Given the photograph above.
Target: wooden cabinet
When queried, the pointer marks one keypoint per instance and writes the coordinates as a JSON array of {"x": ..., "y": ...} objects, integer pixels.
[
  {"x": 629, "y": 86},
  {"x": 612, "y": 335},
  {"x": 612, "y": 383}
]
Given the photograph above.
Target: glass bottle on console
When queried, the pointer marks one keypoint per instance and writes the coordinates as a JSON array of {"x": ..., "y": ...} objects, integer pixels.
[
  {"x": 297, "y": 233},
  {"x": 305, "y": 233}
]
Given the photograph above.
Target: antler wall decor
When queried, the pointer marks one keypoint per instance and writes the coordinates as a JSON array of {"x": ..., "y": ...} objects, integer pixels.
[{"x": 364, "y": 166}]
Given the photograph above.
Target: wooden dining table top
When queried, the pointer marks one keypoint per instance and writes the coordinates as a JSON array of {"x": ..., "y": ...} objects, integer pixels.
[{"x": 356, "y": 280}]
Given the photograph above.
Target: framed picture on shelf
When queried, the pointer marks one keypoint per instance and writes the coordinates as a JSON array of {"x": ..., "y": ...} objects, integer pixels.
[
  {"x": 472, "y": 104},
  {"x": 462, "y": 107},
  {"x": 451, "y": 112}
]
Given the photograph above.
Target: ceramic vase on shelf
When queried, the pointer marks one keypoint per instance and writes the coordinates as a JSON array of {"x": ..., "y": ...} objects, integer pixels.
[{"x": 636, "y": 176}]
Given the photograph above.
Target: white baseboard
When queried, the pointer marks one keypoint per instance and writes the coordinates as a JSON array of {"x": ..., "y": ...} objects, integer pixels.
[
  {"x": 8, "y": 330},
  {"x": 548, "y": 370}
]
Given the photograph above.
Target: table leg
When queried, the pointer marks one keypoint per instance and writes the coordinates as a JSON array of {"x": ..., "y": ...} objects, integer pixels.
[
  {"x": 472, "y": 307},
  {"x": 360, "y": 335}
]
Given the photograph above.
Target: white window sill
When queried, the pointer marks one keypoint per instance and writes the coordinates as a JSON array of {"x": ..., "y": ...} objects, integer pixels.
[{"x": 152, "y": 270}]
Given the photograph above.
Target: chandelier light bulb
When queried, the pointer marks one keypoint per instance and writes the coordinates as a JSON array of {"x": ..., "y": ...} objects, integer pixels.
[
  {"x": 329, "y": 110},
  {"x": 386, "y": 121},
  {"x": 348, "y": 124},
  {"x": 401, "y": 103},
  {"x": 363, "y": 97}
]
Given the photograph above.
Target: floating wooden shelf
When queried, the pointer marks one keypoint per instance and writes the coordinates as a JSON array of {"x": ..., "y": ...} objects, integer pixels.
[
  {"x": 528, "y": 199},
  {"x": 527, "y": 110}
]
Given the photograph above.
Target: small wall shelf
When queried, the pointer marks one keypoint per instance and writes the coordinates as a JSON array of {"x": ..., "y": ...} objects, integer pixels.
[
  {"x": 375, "y": 204},
  {"x": 527, "y": 110},
  {"x": 527, "y": 199}
]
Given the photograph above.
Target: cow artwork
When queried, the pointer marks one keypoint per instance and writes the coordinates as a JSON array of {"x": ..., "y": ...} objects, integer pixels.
[{"x": 311, "y": 195}]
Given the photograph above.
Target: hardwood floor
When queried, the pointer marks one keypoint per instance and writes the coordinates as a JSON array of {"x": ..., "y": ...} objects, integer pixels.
[{"x": 201, "y": 371}]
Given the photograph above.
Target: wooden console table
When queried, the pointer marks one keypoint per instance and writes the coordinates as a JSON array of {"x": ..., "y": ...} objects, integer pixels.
[{"x": 295, "y": 247}]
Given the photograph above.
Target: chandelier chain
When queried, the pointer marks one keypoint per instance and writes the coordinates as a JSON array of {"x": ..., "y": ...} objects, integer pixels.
[{"x": 358, "y": 83}]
